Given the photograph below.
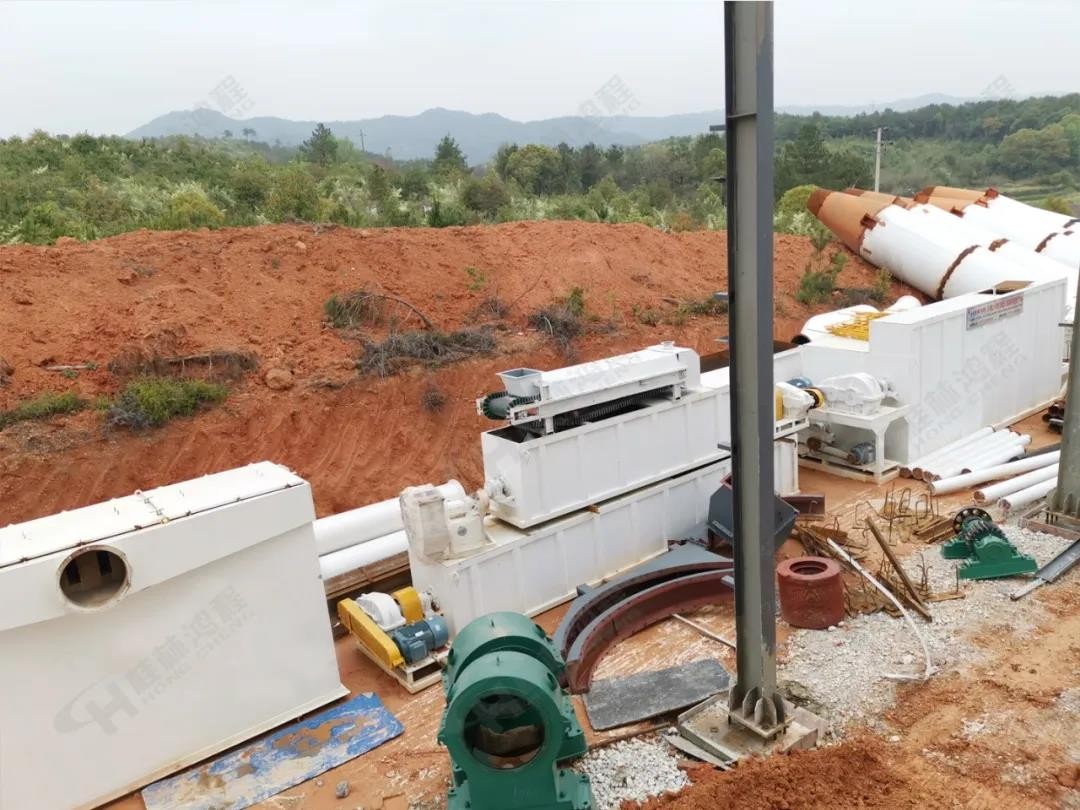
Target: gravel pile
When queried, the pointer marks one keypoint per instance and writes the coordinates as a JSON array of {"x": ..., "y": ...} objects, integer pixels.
[
  {"x": 632, "y": 770},
  {"x": 841, "y": 669}
]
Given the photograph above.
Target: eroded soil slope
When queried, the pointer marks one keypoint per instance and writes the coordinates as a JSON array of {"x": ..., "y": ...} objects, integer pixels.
[{"x": 262, "y": 291}]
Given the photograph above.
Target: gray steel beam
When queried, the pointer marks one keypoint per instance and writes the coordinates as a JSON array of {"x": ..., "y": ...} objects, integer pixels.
[
  {"x": 1065, "y": 499},
  {"x": 748, "y": 113}
]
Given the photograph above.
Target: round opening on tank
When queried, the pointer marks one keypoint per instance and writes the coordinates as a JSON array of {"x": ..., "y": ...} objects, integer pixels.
[
  {"x": 504, "y": 731},
  {"x": 93, "y": 577},
  {"x": 809, "y": 568}
]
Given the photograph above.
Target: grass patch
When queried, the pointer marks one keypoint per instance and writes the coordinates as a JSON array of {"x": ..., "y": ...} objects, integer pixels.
[
  {"x": 563, "y": 321},
  {"x": 680, "y": 313},
  {"x": 42, "y": 407},
  {"x": 433, "y": 348},
  {"x": 358, "y": 308},
  {"x": 152, "y": 401}
]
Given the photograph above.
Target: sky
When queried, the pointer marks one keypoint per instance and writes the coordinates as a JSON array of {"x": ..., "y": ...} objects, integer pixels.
[{"x": 108, "y": 67}]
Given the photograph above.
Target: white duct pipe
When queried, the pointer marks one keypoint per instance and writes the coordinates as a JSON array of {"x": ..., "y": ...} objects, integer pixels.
[
  {"x": 1031, "y": 266},
  {"x": 1031, "y": 233},
  {"x": 1029, "y": 495},
  {"x": 954, "y": 463},
  {"x": 995, "y": 493},
  {"x": 956, "y": 483},
  {"x": 1008, "y": 453},
  {"x": 915, "y": 468},
  {"x": 939, "y": 262},
  {"x": 357, "y": 526},
  {"x": 367, "y": 553}
]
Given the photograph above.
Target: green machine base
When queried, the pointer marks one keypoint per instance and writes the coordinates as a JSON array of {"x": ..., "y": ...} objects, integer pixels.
[
  {"x": 572, "y": 793},
  {"x": 987, "y": 552},
  {"x": 508, "y": 723}
]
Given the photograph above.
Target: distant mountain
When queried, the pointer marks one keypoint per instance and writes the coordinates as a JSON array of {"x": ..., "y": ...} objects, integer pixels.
[{"x": 406, "y": 137}]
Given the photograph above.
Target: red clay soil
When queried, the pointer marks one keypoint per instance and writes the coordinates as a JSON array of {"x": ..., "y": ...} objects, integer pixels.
[
  {"x": 262, "y": 290},
  {"x": 857, "y": 773}
]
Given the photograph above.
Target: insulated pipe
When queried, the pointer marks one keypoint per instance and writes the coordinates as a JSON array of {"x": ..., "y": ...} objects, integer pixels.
[
  {"x": 994, "y": 493},
  {"x": 1029, "y": 495},
  {"x": 914, "y": 246},
  {"x": 916, "y": 466},
  {"x": 369, "y": 553},
  {"x": 1050, "y": 234},
  {"x": 356, "y": 526},
  {"x": 953, "y": 463},
  {"x": 971, "y": 479},
  {"x": 1007, "y": 453}
]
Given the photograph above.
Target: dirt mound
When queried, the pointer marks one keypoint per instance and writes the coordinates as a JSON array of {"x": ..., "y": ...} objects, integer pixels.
[
  {"x": 177, "y": 297},
  {"x": 856, "y": 773}
]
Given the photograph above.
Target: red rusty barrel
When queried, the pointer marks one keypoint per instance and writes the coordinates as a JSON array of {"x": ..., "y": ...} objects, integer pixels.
[{"x": 811, "y": 592}]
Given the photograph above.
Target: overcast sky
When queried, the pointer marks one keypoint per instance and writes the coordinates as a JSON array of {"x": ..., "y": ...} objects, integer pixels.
[{"x": 109, "y": 67}]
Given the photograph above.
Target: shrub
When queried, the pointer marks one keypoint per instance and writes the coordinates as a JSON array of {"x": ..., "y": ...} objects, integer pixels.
[
  {"x": 816, "y": 286},
  {"x": 153, "y": 401},
  {"x": 490, "y": 309},
  {"x": 485, "y": 195},
  {"x": 42, "y": 407},
  {"x": 355, "y": 309},
  {"x": 575, "y": 301},
  {"x": 562, "y": 323},
  {"x": 432, "y": 399},
  {"x": 294, "y": 195},
  {"x": 189, "y": 207},
  {"x": 434, "y": 348}
]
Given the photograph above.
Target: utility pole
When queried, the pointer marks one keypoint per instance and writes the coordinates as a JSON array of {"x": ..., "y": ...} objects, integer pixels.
[
  {"x": 877, "y": 162},
  {"x": 363, "y": 149}
]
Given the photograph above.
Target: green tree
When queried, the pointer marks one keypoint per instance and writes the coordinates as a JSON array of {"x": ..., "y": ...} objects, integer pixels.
[
  {"x": 449, "y": 158},
  {"x": 1032, "y": 151},
  {"x": 189, "y": 207},
  {"x": 536, "y": 169},
  {"x": 321, "y": 148},
  {"x": 485, "y": 195}
]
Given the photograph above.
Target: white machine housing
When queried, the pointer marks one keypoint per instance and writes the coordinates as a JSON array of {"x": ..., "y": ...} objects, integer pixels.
[
  {"x": 677, "y": 427},
  {"x": 146, "y": 633}
]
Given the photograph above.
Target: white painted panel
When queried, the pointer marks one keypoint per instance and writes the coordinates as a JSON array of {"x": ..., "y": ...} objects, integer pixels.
[{"x": 94, "y": 704}]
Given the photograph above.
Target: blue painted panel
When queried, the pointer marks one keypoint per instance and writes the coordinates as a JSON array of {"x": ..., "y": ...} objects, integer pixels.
[{"x": 287, "y": 757}]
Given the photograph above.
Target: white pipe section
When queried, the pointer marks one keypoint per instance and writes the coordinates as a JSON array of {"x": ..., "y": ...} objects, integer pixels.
[
  {"x": 942, "y": 263},
  {"x": 1029, "y": 495},
  {"x": 954, "y": 463},
  {"x": 956, "y": 483},
  {"x": 1028, "y": 231},
  {"x": 1031, "y": 266},
  {"x": 355, "y": 526},
  {"x": 368, "y": 553},
  {"x": 1012, "y": 451},
  {"x": 916, "y": 466},
  {"x": 995, "y": 493}
]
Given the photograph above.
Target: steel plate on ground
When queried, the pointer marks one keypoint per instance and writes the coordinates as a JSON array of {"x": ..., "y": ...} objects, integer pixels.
[{"x": 621, "y": 701}]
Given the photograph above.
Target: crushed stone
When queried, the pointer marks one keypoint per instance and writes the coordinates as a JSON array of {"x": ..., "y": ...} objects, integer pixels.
[
  {"x": 842, "y": 671},
  {"x": 631, "y": 770}
]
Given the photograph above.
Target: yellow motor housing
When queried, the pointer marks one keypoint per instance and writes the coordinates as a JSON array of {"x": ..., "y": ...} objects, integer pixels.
[{"x": 370, "y": 635}]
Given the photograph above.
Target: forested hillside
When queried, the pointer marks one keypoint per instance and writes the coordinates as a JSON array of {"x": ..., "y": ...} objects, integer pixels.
[{"x": 88, "y": 187}]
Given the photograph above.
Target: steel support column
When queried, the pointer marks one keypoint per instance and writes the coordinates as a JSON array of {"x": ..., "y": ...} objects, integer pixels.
[
  {"x": 1065, "y": 499},
  {"x": 748, "y": 113}
]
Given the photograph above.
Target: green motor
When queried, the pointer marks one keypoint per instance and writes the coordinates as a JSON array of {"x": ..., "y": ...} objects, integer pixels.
[
  {"x": 508, "y": 724},
  {"x": 984, "y": 548}
]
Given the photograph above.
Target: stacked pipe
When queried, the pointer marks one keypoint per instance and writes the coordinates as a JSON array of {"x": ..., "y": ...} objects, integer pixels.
[
  {"x": 978, "y": 451},
  {"x": 1019, "y": 482},
  {"x": 929, "y": 244},
  {"x": 365, "y": 536},
  {"x": 1054, "y": 235}
]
